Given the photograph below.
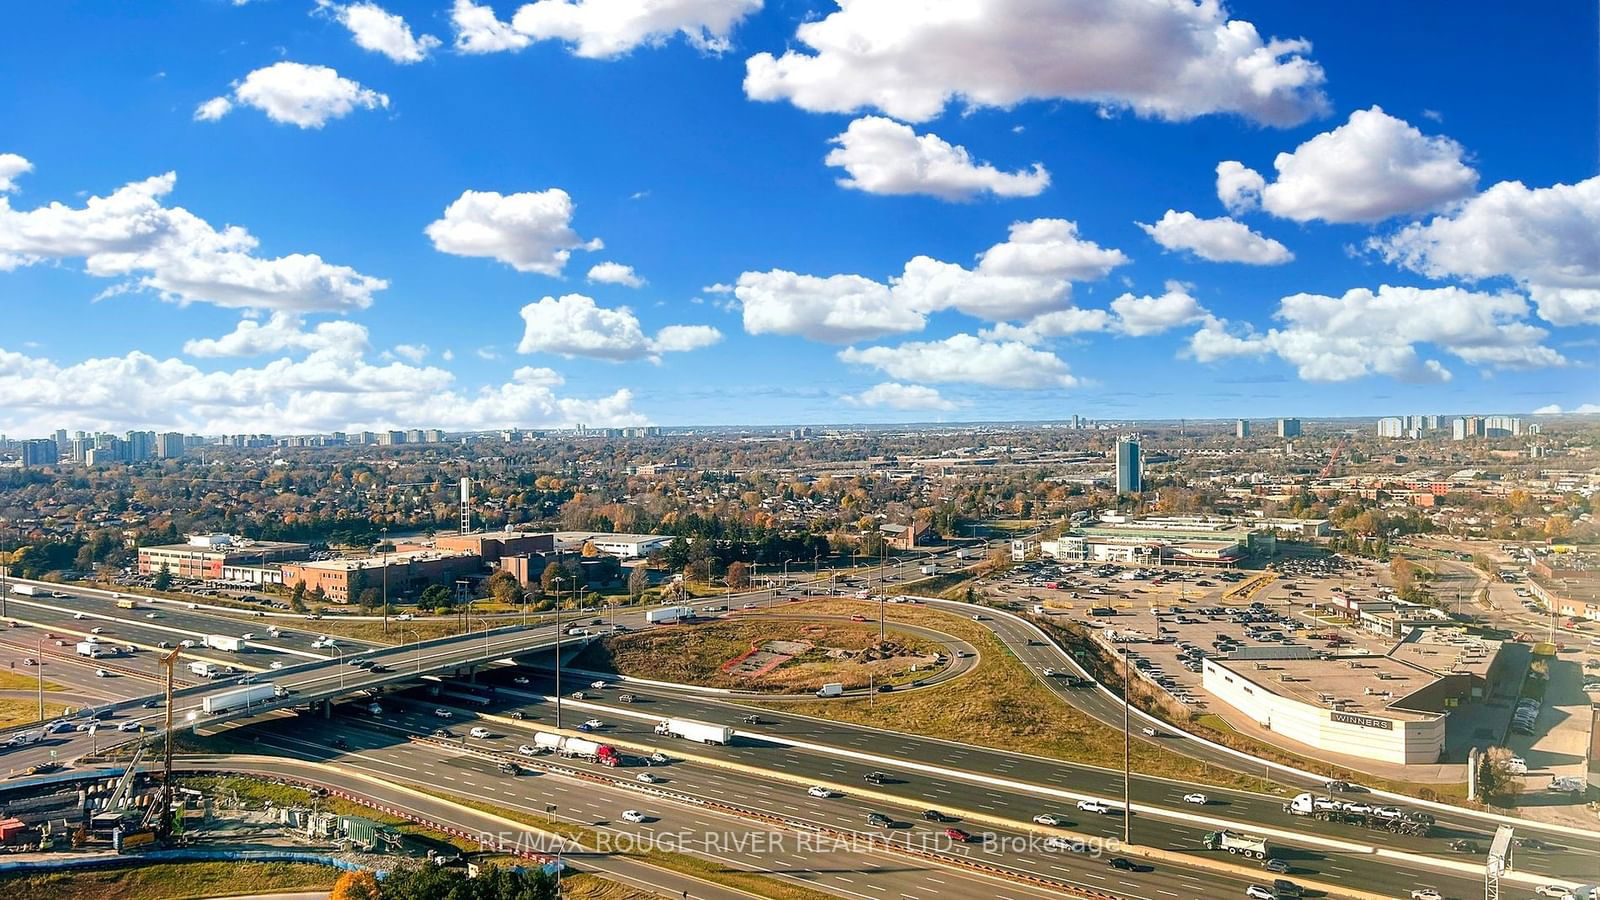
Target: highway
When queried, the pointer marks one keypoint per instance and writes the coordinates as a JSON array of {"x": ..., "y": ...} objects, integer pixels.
[
  {"x": 844, "y": 758},
  {"x": 381, "y": 748},
  {"x": 1572, "y": 860}
]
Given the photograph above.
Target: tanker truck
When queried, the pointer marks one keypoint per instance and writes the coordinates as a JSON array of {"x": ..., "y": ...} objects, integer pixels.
[{"x": 580, "y": 748}]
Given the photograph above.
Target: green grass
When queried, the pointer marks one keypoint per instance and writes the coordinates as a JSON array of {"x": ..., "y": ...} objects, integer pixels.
[
  {"x": 24, "y": 712},
  {"x": 169, "y": 881},
  {"x": 695, "y": 654},
  {"x": 18, "y": 681},
  {"x": 1003, "y": 705}
]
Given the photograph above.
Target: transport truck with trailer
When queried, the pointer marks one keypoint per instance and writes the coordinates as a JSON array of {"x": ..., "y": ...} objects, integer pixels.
[
  {"x": 245, "y": 696},
  {"x": 695, "y": 731},
  {"x": 1392, "y": 819},
  {"x": 667, "y": 615},
  {"x": 1247, "y": 845},
  {"x": 581, "y": 748},
  {"x": 224, "y": 642}
]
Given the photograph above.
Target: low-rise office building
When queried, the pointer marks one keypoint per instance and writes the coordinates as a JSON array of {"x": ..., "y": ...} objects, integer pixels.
[
  {"x": 627, "y": 546},
  {"x": 407, "y": 572},
  {"x": 204, "y": 555},
  {"x": 492, "y": 545}
]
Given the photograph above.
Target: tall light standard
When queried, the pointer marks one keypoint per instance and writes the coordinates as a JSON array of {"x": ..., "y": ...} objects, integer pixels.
[
  {"x": 558, "y": 580},
  {"x": 39, "y": 661},
  {"x": 340, "y": 655},
  {"x": 1127, "y": 748},
  {"x": 385, "y": 579},
  {"x": 4, "y": 570},
  {"x": 418, "y": 635}
]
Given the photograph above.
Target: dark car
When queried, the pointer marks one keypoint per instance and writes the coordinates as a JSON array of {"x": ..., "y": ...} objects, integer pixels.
[
  {"x": 885, "y": 688},
  {"x": 933, "y": 815},
  {"x": 1121, "y": 864},
  {"x": 879, "y": 820},
  {"x": 1276, "y": 865},
  {"x": 1283, "y": 887},
  {"x": 876, "y": 778},
  {"x": 1464, "y": 846}
]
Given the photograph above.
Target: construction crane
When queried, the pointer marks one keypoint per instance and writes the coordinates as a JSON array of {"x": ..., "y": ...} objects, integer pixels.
[{"x": 1333, "y": 457}]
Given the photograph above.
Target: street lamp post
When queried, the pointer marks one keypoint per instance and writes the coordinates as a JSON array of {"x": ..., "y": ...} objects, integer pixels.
[
  {"x": 340, "y": 654},
  {"x": 39, "y": 661},
  {"x": 1127, "y": 749},
  {"x": 558, "y": 580},
  {"x": 419, "y": 646},
  {"x": 385, "y": 579}
]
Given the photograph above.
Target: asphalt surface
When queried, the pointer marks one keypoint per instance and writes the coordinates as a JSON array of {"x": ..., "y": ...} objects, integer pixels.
[
  {"x": 841, "y": 869},
  {"x": 1571, "y": 858},
  {"x": 919, "y": 790}
]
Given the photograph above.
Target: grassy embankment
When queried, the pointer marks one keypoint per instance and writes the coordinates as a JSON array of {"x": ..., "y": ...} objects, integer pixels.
[
  {"x": 26, "y": 712},
  {"x": 999, "y": 705},
  {"x": 695, "y": 654},
  {"x": 169, "y": 881},
  {"x": 17, "y": 681}
]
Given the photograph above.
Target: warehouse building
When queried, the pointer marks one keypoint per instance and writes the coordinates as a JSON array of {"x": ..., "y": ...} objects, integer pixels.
[{"x": 407, "y": 571}]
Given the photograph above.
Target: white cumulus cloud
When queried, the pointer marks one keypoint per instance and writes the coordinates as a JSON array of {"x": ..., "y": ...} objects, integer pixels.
[
  {"x": 1142, "y": 316},
  {"x": 334, "y": 388},
  {"x": 1029, "y": 274},
  {"x": 12, "y": 165},
  {"x": 1167, "y": 59},
  {"x": 882, "y": 156},
  {"x": 282, "y": 332},
  {"x": 1367, "y": 332},
  {"x": 1546, "y": 239},
  {"x": 531, "y": 232},
  {"x": 1218, "y": 240},
  {"x": 1371, "y": 168},
  {"x": 175, "y": 253},
  {"x": 295, "y": 94},
  {"x": 574, "y": 325},
  {"x": 479, "y": 30},
  {"x": 1554, "y": 409},
  {"x": 894, "y": 395},
  {"x": 1239, "y": 188},
  {"x": 601, "y": 29},
  {"x": 969, "y": 359},
  {"x": 375, "y": 28},
  {"x": 615, "y": 273}
]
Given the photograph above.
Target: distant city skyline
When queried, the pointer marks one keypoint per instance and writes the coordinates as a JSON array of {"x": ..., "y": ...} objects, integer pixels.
[{"x": 266, "y": 217}]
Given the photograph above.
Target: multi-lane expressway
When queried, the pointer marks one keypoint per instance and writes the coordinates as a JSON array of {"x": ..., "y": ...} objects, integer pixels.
[{"x": 322, "y": 678}]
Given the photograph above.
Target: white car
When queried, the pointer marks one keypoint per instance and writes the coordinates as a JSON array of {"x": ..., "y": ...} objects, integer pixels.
[
  {"x": 632, "y": 815},
  {"x": 818, "y": 791},
  {"x": 1553, "y": 890},
  {"x": 101, "y": 673},
  {"x": 128, "y": 726},
  {"x": 1047, "y": 819},
  {"x": 597, "y": 685},
  {"x": 479, "y": 732},
  {"x": 526, "y": 750},
  {"x": 1049, "y": 673},
  {"x": 595, "y": 723},
  {"x": 443, "y": 713},
  {"x": 1257, "y": 892},
  {"x": 186, "y": 644},
  {"x": 275, "y": 665},
  {"x": 1196, "y": 799},
  {"x": 1426, "y": 894},
  {"x": 79, "y": 616},
  {"x": 152, "y": 615},
  {"x": 405, "y": 617},
  {"x": 248, "y": 636},
  {"x": 647, "y": 778},
  {"x": 1095, "y": 806}
]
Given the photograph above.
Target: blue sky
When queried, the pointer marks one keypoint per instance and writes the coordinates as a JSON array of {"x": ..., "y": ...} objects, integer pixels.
[{"x": 414, "y": 186}]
